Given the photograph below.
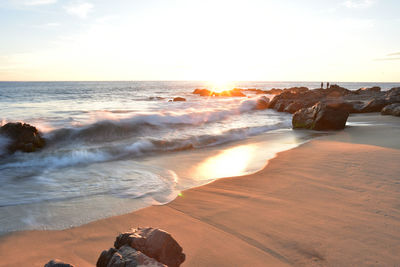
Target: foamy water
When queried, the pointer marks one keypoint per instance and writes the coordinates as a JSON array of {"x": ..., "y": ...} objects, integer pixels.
[{"x": 99, "y": 133}]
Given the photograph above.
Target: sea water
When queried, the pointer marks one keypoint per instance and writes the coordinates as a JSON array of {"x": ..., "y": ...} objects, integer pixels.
[{"x": 112, "y": 146}]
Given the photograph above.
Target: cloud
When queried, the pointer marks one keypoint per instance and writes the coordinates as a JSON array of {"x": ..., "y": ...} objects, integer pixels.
[
  {"x": 358, "y": 3},
  {"x": 80, "y": 9},
  {"x": 40, "y": 2},
  {"x": 389, "y": 57},
  {"x": 394, "y": 54}
]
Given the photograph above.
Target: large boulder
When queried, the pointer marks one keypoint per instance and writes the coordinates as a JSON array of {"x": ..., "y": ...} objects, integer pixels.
[
  {"x": 24, "y": 137},
  {"x": 392, "y": 109},
  {"x": 155, "y": 243},
  {"x": 320, "y": 117}
]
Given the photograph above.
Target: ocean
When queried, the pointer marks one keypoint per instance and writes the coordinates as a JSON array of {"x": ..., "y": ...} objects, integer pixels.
[{"x": 115, "y": 147}]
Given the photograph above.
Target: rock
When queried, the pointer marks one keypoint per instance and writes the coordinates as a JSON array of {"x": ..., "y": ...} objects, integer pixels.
[
  {"x": 371, "y": 90},
  {"x": 393, "y": 95},
  {"x": 262, "y": 103},
  {"x": 155, "y": 243},
  {"x": 156, "y": 98},
  {"x": 296, "y": 90},
  {"x": 105, "y": 257},
  {"x": 127, "y": 256},
  {"x": 24, "y": 137},
  {"x": 176, "y": 99},
  {"x": 336, "y": 91},
  {"x": 274, "y": 91},
  {"x": 202, "y": 92},
  {"x": 320, "y": 117},
  {"x": 57, "y": 263},
  {"x": 293, "y": 107},
  {"x": 392, "y": 109},
  {"x": 374, "y": 105}
]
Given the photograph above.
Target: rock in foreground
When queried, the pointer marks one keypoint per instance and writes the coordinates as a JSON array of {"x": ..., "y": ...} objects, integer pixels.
[
  {"x": 143, "y": 246},
  {"x": 320, "y": 117},
  {"x": 24, "y": 137},
  {"x": 57, "y": 263}
]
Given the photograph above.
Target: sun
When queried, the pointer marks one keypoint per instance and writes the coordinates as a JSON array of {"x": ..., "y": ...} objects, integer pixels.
[{"x": 221, "y": 85}]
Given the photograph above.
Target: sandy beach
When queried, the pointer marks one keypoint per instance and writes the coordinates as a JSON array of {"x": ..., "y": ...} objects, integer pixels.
[{"x": 333, "y": 201}]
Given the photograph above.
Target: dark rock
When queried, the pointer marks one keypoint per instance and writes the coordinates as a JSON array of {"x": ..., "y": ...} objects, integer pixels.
[
  {"x": 179, "y": 99},
  {"x": 24, "y": 137},
  {"x": 155, "y": 243},
  {"x": 375, "y": 105},
  {"x": 371, "y": 90},
  {"x": 274, "y": 91},
  {"x": 293, "y": 107},
  {"x": 296, "y": 90},
  {"x": 320, "y": 117},
  {"x": 336, "y": 91},
  {"x": 392, "y": 109},
  {"x": 105, "y": 257},
  {"x": 127, "y": 256},
  {"x": 262, "y": 103},
  {"x": 393, "y": 95},
  {"x": 57, "y": 263}
]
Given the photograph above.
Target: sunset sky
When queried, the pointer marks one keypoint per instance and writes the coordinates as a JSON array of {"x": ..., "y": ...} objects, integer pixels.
[{"x": 269, "y": 40}]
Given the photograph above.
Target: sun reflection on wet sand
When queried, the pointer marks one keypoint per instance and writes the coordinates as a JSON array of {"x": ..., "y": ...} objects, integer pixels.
[{"x": 230, "y": 162}]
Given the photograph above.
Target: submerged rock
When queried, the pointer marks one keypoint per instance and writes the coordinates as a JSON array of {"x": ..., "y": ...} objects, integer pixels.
[
  {"x": 262, "y": 103},
  {"x": 24, "y": 137},
  {"x": 392, "y": 109},
  {"x": 177, "y": 99},
  {"x": 320, "y": 117}
]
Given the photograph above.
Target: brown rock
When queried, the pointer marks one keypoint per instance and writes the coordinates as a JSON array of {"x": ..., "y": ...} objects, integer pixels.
[
  {"x": 24, "y": 137},
  {"x": 177, "y": 99},
  {"x": 392, "y": 109},
  {"x": 320, "y": 117},
  {"x": 155, "y": 243}
]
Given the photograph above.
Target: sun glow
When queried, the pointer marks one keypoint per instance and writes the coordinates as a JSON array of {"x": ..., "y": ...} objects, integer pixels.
[
  {"x": 221, "y": 85},
  {"x": 230, "y": 162}
]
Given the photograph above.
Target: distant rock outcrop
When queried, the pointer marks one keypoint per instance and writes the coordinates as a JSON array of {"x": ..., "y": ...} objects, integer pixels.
[
  {"x": 143, "y": 246},
  {"x": 24, "y": 137},
  {"x": 320, "y": 117},
  {"x": 236, "y": 92},
  {"x": 392, "y": 109},
  {"x": 178, "y": 99}
]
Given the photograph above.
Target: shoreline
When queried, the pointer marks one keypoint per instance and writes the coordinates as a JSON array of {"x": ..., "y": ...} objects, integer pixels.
[{"x": 264, "y": 217}]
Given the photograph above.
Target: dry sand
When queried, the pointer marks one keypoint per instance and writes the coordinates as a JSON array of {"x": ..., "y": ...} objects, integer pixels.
[{"x": 334, "y": 201}]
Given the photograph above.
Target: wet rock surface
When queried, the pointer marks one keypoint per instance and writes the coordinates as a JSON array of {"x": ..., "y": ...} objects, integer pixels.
[{"x": 24, "y": 137}]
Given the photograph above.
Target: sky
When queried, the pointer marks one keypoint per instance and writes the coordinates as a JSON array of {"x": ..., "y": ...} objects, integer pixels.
[{"x": 218, "y": 40}]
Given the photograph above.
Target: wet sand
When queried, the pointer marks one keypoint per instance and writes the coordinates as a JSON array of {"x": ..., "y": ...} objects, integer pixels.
[{"x": 334, "y": 201}]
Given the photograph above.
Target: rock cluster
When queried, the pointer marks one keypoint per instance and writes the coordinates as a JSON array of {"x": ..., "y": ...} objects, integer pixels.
[
  {"x": 24, "y": 137},
  {"x": 143, "y": 246}
]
